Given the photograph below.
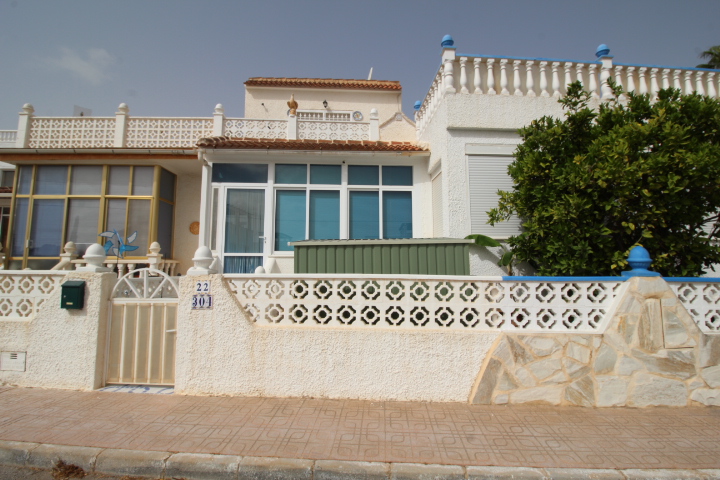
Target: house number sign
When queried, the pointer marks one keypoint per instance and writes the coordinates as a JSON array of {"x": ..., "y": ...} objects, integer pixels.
[{"x": 202, "y": 299}]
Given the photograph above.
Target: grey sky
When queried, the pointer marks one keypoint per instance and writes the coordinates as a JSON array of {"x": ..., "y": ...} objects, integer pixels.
[{"x": 181, "y": 57}]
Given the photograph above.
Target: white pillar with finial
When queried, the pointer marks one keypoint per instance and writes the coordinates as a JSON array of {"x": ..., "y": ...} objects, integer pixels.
[
  {"x": 94, "y": 259},
  {"x": 219, "y": 120},
  {"x": 202, "y": 262},
  {"x": 121, "y": 121},
  {"x": 154, "y": 256},
  {"x": 24, "y": 124}
]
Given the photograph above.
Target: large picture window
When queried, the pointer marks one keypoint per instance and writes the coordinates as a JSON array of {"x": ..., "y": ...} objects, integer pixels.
[
  {"x": 56, "y": 204},
  {"x": 311, "y": 202}
]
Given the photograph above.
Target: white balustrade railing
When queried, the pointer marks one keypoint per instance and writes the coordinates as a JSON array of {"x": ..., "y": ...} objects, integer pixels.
[
  {"x": 71, "y": 132},
  {"x": 333, "y": 130},
  {"x": 249, "y": 128},
  {"x": 452, "y": 303},
  {"x": 22, "y": 292},
  {"x": 702, "y": 301},
  {"x": 124, "y": 131},
  {"x": 146, "y": 132},
  {"x": 8, "y": 138},
  {"x": 530, "y": 77}
]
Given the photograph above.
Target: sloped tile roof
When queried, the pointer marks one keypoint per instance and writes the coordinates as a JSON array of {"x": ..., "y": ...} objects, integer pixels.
[
  {"x": 324, "y": 83},
  {"x": 329, "y": 145}
]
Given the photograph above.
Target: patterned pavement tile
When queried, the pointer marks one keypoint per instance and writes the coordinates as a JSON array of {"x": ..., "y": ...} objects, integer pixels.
[{"x": 409, "y": 432}]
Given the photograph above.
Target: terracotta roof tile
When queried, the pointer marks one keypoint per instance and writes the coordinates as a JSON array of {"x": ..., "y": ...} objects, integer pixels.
[
  {"x": 330, "y": 145},
  {"x": 324, "y": 83}
]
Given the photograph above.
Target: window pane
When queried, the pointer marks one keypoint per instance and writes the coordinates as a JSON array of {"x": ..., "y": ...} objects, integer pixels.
[
  {"x": 324, "y": 215},
  {"x": 295, "y": 174},
  {"x": 19, "y": 225},
  {"x": 139, "y": 221},
  {"x": 24, "y": 180},
  {"x": 165, "y": 229},
  {"x": 7, "y": 178},
  {"x": 46, "y": 228},
  {"x": 86, "y": 180},
  {"x": 397, "y": 176},
  {"x": 364, "y": 215},
  {"x": 289, "y": 218},
  {"x": 245, "y": 221},
  {"x": 363, "y": 175},
  {"x": 397, "y": 215},
  {"x": 51, "y": 180},
  {"x": 167, "y": 185},
  {"x": 239, "y": 173},
  {"x": 82, "y": 223},
  {"x": 115, "y": 220},
  {"x": 143, "y": 180},
  {"x": 241, "y": 264},
  {"x": 325, "y": 174},
  {"x": 119, "y": 181}
]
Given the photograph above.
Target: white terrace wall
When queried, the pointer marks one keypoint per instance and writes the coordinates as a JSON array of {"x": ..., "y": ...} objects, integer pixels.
[
  {"x": 62, "y": 346},
  {"x": 223, "y": 352},
  {"x": 638, "y": 343}
]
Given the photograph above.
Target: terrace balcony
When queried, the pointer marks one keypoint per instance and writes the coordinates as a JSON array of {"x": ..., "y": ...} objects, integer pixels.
[
  {"x": 124, "y": 131},
  {"x": 509, "y": 92}
]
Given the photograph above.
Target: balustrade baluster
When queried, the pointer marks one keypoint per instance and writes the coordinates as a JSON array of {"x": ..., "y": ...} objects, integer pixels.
[
  {"x": 654, "y": 89},
  {"x": 593, "y": 81},
  {"x": 619, "y": 81},
  {"x": 666, "y": 78},
  {"x": 556, "y": 80},
  {"x": 529, "y": 80},
  {"x": 568, "y": 75},
  {"x": 476, "y": 78},
  {"x": 642, "y": 77},
  {"x": 605, "y": 90},
  {"x": 712, "y": 91},
  {"x": 448, "y": 74},
  {"x": 516, "y": 78},
  {"x": 543, "y": 80},
  {"x": 677, "y": 84},
  {"x": 699, "y": 83},
  {"x": 579, "y": 73},
  {"x": 630, "y": 75},
  {"x": 490, "y": 77},
  {"x": 688, "y": 82},
  {"x": 503, "y": 77},
  {"x": 463, "y": 76}
]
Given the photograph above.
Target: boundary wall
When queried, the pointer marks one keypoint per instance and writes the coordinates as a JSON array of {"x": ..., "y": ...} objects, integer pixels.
[{"x": 653, "y": 347}]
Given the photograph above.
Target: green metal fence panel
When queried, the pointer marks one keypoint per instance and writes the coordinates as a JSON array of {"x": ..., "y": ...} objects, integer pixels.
[{"x": 434, "y": 256}]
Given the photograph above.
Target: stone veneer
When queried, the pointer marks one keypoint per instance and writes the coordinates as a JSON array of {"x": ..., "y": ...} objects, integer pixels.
[{"x": 651, "y": 354}]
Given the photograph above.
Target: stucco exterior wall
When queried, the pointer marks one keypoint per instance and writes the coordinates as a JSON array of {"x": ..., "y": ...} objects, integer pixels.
[
  {"x": 223, "y": 353},
  {"x": 62, "y": 345},
  {"x": 275, "y": 101},
  {"x": 187, "y": 210}
]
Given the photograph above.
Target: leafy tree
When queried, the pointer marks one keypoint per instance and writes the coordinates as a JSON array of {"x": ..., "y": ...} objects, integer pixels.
[
  {"x": 592, "y": 185},
  {"x": 712, "y": 55}
]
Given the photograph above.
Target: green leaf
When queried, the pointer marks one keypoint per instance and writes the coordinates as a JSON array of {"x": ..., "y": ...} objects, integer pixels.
[
  {"x": 506, "y": 259},
  {"x": 483, "y": 240}
]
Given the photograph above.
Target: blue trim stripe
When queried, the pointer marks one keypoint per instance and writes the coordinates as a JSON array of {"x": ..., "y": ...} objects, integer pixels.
[
  {"x": 564, "y": 279},
  {"x": 693, "y": 279}
]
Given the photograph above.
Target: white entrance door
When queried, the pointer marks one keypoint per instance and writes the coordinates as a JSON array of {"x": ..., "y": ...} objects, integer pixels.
[{"x": 244, "y": 230}]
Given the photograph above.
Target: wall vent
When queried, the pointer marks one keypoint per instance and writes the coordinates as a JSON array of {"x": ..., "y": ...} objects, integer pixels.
[{"x": 12, "y": 361}]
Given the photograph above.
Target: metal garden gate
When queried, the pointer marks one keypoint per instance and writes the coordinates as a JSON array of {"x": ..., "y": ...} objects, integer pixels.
[{"x": 141, "y": 337}]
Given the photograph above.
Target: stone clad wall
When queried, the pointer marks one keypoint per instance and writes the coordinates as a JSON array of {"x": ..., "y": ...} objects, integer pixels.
[{"x": 651, "y": 354}]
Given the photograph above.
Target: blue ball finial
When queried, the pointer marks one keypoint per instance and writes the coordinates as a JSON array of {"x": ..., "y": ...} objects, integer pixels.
[
  {"x": 417, "y": 105},
  {"x": 639, "y": 259},
  {"x": 602, "y": 50},
  {"x": 447, "y": 41}
]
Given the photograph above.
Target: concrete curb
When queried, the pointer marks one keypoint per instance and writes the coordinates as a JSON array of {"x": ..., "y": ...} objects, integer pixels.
[{"x": 199, "y": 466}]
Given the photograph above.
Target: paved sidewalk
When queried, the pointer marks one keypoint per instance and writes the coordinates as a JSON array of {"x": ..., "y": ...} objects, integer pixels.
[{"x": 315, "y": 431}]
